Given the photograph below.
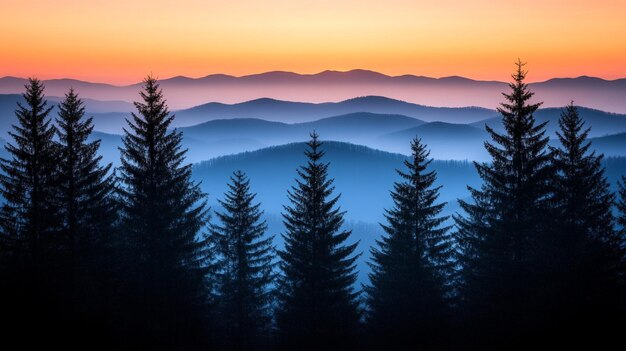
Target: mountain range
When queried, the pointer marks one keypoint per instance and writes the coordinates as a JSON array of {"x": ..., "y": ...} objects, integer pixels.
[
  {"x": 184, "y": 92},
  {"x": 216, "y": 129},
  {"x": 109, "y": 116},
  {"x": 113, "y": 120},
  {"x": 293, "y": 112},
  {"x": 391, "y": 133}
]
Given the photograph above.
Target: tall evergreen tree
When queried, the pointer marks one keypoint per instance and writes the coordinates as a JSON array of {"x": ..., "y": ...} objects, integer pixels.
[
  {"x": 507, "y": 221},
  {"x": 28, "y": 180},
  {"x": 29, "y": 220},
  {"x": 86, "y": 188},
  {"x": 411, "y": 265},
  {"x": 162, "y": 214},
  {"x": 318, "y": 305},
  {"x": 245, "y": 268},
  {"x": 88, "y": 214},
  {"x": 585, "y": 243}
]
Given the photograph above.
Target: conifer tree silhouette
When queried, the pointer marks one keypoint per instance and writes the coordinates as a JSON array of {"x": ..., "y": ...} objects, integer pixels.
[
  {"x": 412, "y": 263},
  {"x": 29, "y": 218},
  {"x": 27, "y": 183},
  {"x": 587, "y": 250},
  {"x": 87, "y": 205},
  {"x": 88, "y": 212},
  {"x": 162, "y": 214},
  {"x": 508, "y": 220},
  {"x": 245, "y": 268},
  {"x": 318, "y": 307}
]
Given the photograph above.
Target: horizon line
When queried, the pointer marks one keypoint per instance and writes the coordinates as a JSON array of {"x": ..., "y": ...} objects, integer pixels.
[{"x": 368, "y": 71}]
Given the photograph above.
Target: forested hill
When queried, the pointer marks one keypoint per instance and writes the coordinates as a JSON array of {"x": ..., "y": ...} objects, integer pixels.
[{"x": 363, "y": 176}]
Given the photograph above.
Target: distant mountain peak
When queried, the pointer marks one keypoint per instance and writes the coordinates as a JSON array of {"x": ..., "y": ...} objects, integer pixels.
[
  {"x": 217, "y": 75},
  {"x": 271, "y": 75},
  {"x": 77, "y": 82},
  {"x": 11, "y": 78},
  {"x": 456, "y": 79},
  {"x": 263, "y": 100},
  {"x": 580, "y": 79},
  {"x": 374, "y": 99},
  {"x": 178, "y": 78},
  {"x": 354, "y": 73}
]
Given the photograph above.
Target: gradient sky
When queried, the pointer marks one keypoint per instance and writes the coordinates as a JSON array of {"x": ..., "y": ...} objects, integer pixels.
[{"x": 121, "y": 41}]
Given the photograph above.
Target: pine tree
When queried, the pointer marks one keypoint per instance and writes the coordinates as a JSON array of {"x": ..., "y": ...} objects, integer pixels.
[
  {"x": 162, "y": 214},
  {"x": 87, "y": 205},
  {"x": 88, "y": 214},
  {"x": 507, "y": 221},
  {"x": 585, "y": 243},
  {"x": 246, "y": 268},
  {"x": 29, "y": 220},
  {"x": 318, "y": 304},
  {"x": 412, "y": 263},
  {"x": 581, "y": 189},
  {"x": 29, "y": 216}
]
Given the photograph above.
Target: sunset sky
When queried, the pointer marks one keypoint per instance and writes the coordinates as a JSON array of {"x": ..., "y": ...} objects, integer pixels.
[{"x": 121, "y": 41}]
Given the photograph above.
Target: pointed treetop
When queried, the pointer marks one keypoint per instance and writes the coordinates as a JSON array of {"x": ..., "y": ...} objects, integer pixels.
[
  {"x": 34, "y": 84},
  {"x": 419, "y": 150},
  {"x": 520, "y": 74},
  {"x": 152, "y": 96},
  {"x": 573, "y": 134},
  {"x": 313, "y": 153},
  {"x": 72, "y": 102},
  {"x": 34, "y": 97}
]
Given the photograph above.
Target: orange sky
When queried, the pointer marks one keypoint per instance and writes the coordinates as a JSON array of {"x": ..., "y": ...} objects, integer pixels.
[{"x": 122, "y": 41}]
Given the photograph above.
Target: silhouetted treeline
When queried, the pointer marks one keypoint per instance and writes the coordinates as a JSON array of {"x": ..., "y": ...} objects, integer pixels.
[
  {"x": 538, "y": 251},
  {"x": 131, "y": 258}
]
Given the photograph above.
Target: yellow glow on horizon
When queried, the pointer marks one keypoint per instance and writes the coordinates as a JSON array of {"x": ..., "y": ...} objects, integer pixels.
[{"x": 121, "y": 41}]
